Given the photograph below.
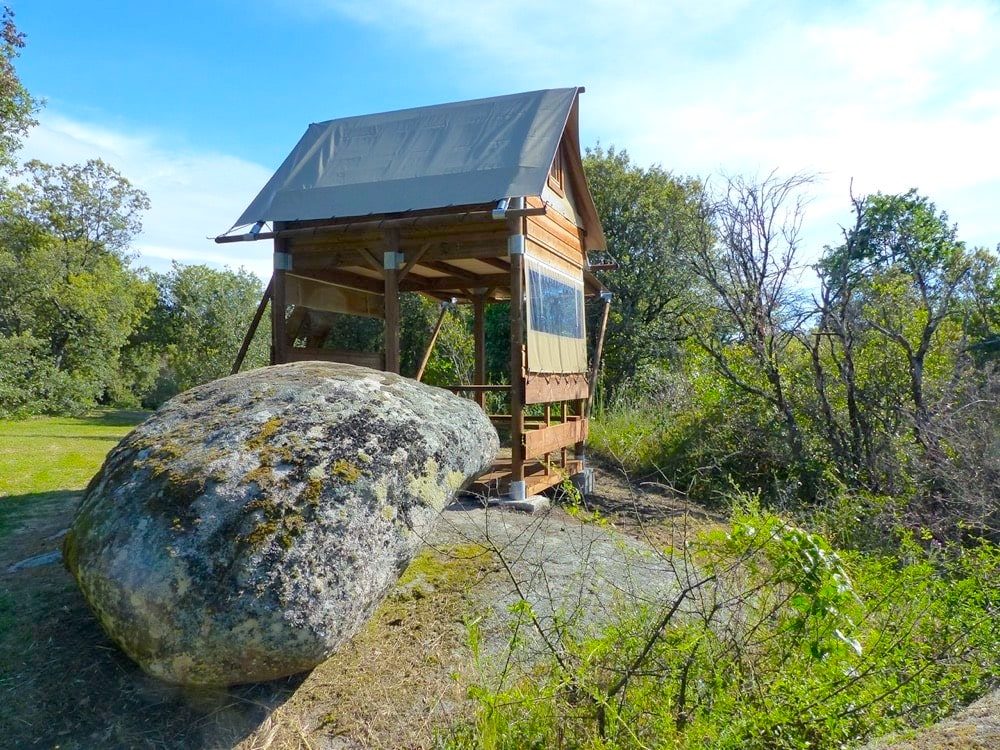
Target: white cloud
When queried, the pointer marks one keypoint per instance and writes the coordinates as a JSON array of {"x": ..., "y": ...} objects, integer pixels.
[
  {"x": 894, "y": 95},
  {"x": 194, "y": 194}
]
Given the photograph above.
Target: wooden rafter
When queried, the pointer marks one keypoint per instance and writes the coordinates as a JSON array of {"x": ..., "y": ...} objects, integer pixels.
[
  {"x": 327, "y": 257},
  {"x": 498, "y": 263},
  {"x": 371, "y": 260},
  {"x": 449, "y": 268}
]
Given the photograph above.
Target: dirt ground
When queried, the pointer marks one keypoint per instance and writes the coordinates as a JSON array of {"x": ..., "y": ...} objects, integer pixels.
[
  {"x": 64, "y": 684},
  {"x": 405, "y": 678}
]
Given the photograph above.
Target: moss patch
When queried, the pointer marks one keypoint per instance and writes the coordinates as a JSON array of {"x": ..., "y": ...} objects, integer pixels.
[
  {"x": 312, "y": 492},
  {"x": 268, "y": 430},
  {"x": 344, "y": 469}
]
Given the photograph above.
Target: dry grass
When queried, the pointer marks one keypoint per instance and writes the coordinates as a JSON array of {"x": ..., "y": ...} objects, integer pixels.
[
  {"x": 974, "y": 728},
  {"x": 403, "y": 678}
]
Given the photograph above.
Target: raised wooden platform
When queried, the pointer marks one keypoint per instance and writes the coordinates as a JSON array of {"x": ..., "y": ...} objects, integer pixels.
[{"x": 538, "y": 476}]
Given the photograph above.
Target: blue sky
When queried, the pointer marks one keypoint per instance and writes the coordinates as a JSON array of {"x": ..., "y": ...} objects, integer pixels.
[{"x": 198, "y": 102}]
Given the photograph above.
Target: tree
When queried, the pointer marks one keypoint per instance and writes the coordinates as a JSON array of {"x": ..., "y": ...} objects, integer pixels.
[
  {"x": 746, "y": 270},
  {"x": 650, "y": 218},
  {"x": 904, "y": 267},
  {"x": 17, "y": 106},
  {"x": 981, "y": 305},
  {"x": 83, "y": 313},
  {"x": 199, "y": 323},
  {"x": 71, "y": 289},
  {"x": 90, "y": 205}
]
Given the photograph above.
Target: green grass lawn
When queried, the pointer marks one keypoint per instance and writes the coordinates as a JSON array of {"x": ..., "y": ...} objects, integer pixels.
[{"x": 50, "y": 454}]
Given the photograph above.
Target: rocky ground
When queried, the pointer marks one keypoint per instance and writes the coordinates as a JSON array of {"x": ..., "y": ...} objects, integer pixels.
[
  {"x": 405, "y": 678},
  {"x": 974, "y": 728},
  {"x": 399, "y": 682}
]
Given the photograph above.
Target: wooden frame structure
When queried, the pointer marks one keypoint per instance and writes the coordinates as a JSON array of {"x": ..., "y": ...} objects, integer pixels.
[{"x": 476, "y": 254}]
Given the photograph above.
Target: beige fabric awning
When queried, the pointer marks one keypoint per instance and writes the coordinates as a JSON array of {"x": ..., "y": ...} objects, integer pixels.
[{"x": 322, "y": 295}]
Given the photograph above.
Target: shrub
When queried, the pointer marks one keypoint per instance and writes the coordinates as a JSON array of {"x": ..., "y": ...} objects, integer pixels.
[{"x": 774, "y": 641}]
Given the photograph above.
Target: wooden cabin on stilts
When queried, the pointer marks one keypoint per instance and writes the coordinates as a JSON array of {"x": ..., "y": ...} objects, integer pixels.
[{"x": 482, "y": 202}]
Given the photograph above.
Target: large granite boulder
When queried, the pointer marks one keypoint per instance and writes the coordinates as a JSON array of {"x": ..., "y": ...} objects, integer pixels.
[{"x": 253, "y": 524}]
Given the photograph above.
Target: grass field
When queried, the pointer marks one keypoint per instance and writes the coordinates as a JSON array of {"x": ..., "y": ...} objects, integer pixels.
[
  {"x": 51, "y": 454},
  {"x": 62, "y": 682}
]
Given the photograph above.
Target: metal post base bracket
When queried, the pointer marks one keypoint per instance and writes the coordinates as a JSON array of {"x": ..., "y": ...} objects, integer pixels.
[{"x": 517, "y": 490}]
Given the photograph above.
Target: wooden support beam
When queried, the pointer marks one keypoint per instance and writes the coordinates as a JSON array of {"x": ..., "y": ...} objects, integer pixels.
[
  {"x": 344, "y": 278},
  {"x": 443, "y": 283},
  {"x": 370, "y": 259},
  {"x": 248, "y": 339},
  {"x": 322, "y": 256},
  {"x": 391, "y": 261},
  {"x": 452, "y": 270},
  {"x": 281, "y": 260},
  {"x": 498, "y": 263},
  {"x": 579, "y": 450},
  {"x": 479, "y": 344},
  {"x": 595, "y": 366},
  {"x": 430, "y": 344},
  {"x": 516, "y": 243},
  {"x": 421, "y": 251},
  {"x": 411, "y": 242},
  {"x": 564, "y": 453}
]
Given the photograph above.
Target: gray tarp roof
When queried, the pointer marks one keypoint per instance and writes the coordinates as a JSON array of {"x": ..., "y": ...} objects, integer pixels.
[{"x": 461, "y": 153}]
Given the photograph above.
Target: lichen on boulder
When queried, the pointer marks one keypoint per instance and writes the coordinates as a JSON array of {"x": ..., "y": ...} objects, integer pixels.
[{"x": 252, "y": 524}]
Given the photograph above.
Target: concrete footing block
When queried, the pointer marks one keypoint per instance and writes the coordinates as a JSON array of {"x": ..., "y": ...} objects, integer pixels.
[{"x": 530, "y": 504}]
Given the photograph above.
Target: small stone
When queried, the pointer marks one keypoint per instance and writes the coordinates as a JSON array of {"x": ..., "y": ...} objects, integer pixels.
[{"x": 37, "y": 561}]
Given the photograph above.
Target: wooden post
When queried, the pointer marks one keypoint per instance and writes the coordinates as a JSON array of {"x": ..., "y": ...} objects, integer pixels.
[
  {"x": 515, "y": 247},
  {"x": 565, "y": 418},
  {"x": 548, "y": 421},
  {"x": 479, "y": 339},
  {"x": 595, "y": 366},
  {"x": 430, "y": 344},
  {"x": 282, "y": 263},
  {"x": 391, "y": 262},
  {"x": 245, "y": 346}
]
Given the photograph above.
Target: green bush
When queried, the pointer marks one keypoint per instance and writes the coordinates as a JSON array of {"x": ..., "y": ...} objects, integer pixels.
[
  {"x": 30, "y": 383},
  {"x": 777, "y": 641}
]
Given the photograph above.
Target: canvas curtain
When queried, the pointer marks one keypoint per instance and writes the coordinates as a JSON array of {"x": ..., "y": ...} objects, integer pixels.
[
  {"x": 320, "y": 295},
  {"x": 556, "y": 322}
]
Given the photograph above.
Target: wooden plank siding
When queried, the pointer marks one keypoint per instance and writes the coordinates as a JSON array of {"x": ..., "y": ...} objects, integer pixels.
[
  {"x": 550, "y": 234},
  {"x": 540, "y": 388},
  {"x": 552, "y": 438}
]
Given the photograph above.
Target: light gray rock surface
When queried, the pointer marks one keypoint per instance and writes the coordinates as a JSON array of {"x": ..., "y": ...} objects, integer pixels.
[{"x": 252, "y": 524}]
